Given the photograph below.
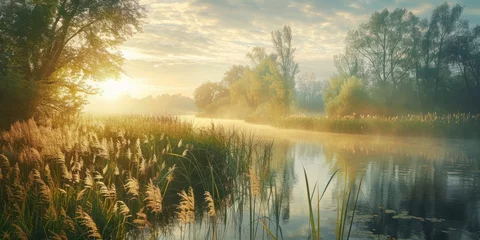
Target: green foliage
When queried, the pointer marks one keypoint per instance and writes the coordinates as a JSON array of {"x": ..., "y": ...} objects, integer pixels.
[
  {"x": 58, "y": 47},
  {"x": 18, "y": 97},
  {"x": 414, "y": 65},
  {"x": 264, "y": 90},
  {"x": 352, "y": 98}
]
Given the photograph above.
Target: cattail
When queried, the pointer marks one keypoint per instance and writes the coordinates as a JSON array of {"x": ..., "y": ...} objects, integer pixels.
[
  {"x": 87, "y": 222},
  {"x": 210, "y": 204},
  {"x": 141, "y": 221},
  {"x": 132, "y": 187},
  {"x": 186, "y": 207},
  {"x": 154, "y": 198},
  {"x": 254, "y": 183}
]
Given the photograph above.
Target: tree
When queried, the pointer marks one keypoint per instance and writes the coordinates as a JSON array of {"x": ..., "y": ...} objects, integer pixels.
[
  {"x": 432, "y": 64},
  {"x": 352, "y": 99},
  {"x": 287, "y": 67},
  {"x": 464, "y": 50},
  {"x": 61, "y": 46},
  {"x": 349, "y": 63},
  {"x": 207, "y": 93},
  {"x": 309, "y": 93},
  {"x": 385, "y": 42},
  {"x": 233, "y": 75}
]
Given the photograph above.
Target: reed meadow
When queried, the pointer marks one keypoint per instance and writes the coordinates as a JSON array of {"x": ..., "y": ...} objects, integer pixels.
[{"x": 461, "y": 125}]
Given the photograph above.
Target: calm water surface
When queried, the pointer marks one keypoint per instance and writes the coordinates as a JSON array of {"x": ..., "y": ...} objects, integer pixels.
[{"x": 412, "y": 188}]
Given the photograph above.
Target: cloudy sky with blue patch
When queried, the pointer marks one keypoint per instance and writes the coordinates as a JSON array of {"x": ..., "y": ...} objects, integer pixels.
[{"x": 185, "y": 43}]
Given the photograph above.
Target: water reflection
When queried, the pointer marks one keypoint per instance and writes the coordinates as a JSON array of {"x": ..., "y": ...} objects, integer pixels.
[{"x": 412, "y": 188}]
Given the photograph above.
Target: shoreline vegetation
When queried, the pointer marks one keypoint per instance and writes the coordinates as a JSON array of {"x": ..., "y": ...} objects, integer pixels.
[
  {"x": 119, "y": 177},
  {"x": 460, "y": 125},
  {"x": 133, "y": 176}
]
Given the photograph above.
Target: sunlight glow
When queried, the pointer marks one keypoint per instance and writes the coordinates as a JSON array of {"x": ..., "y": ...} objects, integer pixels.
[{"x": 112, "y": 89}]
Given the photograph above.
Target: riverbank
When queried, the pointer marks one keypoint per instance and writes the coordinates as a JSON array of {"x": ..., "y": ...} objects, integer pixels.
[
  {"x": 462, "y": 125},
  {"x": 118, "y": 177}
]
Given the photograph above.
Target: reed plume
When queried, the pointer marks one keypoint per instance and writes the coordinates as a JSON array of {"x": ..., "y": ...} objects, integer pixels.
[
  {"x": 132, "y": 187},
  {"x": 154, "y": 198},
  {"x": 186, "y": 207},
  {"x": 141, "y": 221},
  {"x": 210, "y": 204},
  {"x": 122, "y": 208},
  {"x": 87, "y": 222}
]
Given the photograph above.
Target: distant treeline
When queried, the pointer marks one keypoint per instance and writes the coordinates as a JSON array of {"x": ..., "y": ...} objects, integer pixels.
[
  {"x": 394, "y": 64},
  {"x": 161, "y": 104}
]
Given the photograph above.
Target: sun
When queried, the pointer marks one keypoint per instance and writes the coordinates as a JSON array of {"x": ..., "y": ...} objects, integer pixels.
[{"x": 113, "y": 89}]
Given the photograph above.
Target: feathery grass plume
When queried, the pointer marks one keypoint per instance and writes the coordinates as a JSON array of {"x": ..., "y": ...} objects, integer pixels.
[
  {"x": 58, "y": 162},
  {"x": 138, "y": 149},
  {"x": 4, "y": 164},
  {"x": 132, "y": 187},
  {"x": 210, "y": 204},
  {"x": 87, "y": 222},
  {"x": 81, "y": 194},
  {"x": 122, "y": 208},
  {"x": 76, "y": 177},
  {"x": 186, "y": 207},
  {"x": 113, "y": 191},
  {"x": 103, "y": 189},
  {"x": 180, "y": 143},
  {"x": 89, "y": 183},
  {"x": 48, "y": 177},
  {"x": 154, "y": 198},
  {"x": 143, "y": 166},
  {"x": 170, "y": 173},
  {"x": 30, "y": 158},
  {"x": 66, "y": 220},
  {"x": 44, "y": 193},
  {"x": 58, "y": 236},
  {"x": 97, "y": 176},
  {"x": 254, "y": 182},
  {"x": 141, "y": 221},
  {"x": 19, "y": 233}
]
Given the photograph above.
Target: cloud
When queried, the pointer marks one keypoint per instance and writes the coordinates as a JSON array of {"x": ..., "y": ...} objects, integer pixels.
[{"x": 188, "y": 42}]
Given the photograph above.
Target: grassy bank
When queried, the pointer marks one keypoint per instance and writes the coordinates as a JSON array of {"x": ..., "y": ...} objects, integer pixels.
[
  {"x": 117, "y": 177},
  {"x": 427, "y": 125}
]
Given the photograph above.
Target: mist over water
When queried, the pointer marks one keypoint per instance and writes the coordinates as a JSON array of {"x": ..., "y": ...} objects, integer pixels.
[{"x": 413, "y": 188}]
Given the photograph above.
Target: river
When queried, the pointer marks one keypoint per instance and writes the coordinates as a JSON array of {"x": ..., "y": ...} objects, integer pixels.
[{"x": 412, "y": 188}]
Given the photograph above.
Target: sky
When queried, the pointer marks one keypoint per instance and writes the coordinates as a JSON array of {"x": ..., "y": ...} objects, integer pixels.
[{"x": 185, "y": 43}]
